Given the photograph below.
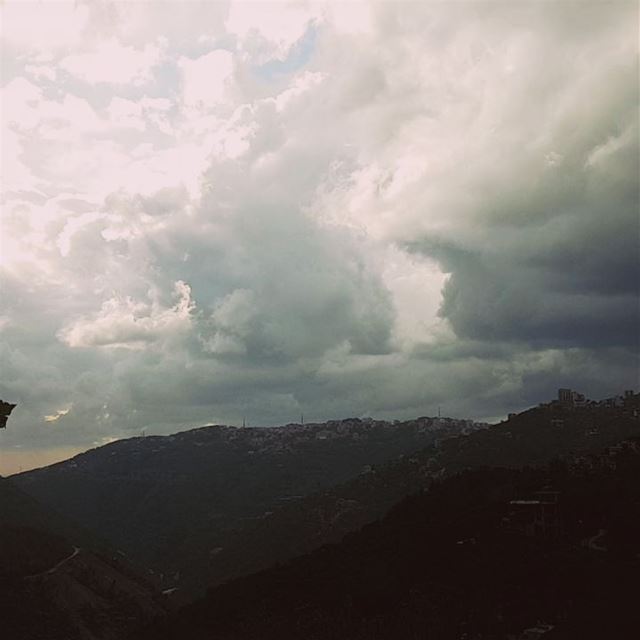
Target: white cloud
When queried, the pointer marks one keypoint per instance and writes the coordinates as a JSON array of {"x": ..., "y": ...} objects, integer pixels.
[
  {"x": 130, "y": 324},
  {"x": 126, "y": 113},
  {"x": 113, "y": 62},
  {"x": 20, "y": 104},
  {"x": 301, "y": 84},
  {"x": 205, "y": 79},
  {"x": 41, "y": 72},
  {"x": 43, "y": 26},
  {"x": 351, "y": 17},
  {"x": 72, "y": 226},
  {"x": 183, "y": 25},
  {"x": 54, "y": 417},
  {"x": 270, "y": 29}
]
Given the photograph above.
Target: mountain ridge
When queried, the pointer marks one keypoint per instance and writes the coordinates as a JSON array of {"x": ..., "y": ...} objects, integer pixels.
[
  {"x": 167, "y": 501},
  {"x": 532, "y": 437}
]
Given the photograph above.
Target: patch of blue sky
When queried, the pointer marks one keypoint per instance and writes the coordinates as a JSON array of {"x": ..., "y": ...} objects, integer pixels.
[
  {"x": 299, "y": 54},
  {"x": 163, "y": 82},
  {"x": 166, "y": 80}
]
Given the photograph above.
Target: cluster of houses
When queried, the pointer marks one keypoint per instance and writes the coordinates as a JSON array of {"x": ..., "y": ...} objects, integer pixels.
[
  {"x": 570, "y": 399},
  {"x": 538, "y": 515},
  {"x": 535, "y": 516},
  {"x": 606, "y": 460}
]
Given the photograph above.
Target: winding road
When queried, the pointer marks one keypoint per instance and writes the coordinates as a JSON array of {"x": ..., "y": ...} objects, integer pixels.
[{"x": 76, "y": 551}]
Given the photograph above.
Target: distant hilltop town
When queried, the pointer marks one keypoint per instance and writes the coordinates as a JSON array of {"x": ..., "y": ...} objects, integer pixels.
[{"x": 568, "y": 398}]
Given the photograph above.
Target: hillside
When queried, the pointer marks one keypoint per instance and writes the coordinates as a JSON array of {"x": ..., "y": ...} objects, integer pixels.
[
  {"x": 57, "y": 582},
  {"x": 462, "y": 560},
  {"x": 169, "y": 502},
  {"x": 532, "y": 437}
]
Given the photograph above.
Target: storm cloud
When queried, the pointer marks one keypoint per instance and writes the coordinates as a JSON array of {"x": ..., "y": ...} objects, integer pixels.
[{"x": 335, "y": 209}]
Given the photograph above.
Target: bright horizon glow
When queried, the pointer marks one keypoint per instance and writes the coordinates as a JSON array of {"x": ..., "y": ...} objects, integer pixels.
[{"x": 16, "y": 460}]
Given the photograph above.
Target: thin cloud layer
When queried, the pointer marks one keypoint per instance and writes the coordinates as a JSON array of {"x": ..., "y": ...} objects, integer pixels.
[{"x": 220, "y": 210}]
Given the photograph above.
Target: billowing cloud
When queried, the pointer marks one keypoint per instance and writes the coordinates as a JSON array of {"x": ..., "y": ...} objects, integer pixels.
[
  {"x": 269, "y": 30},
  {"x": 335, "y": 209},
  {"x": 131, "y": 324}
]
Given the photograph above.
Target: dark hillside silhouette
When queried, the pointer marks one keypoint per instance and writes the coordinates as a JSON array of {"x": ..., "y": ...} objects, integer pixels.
[
  {"x": 171, "y": 502},
  {"x": 449, "y": 563},
  {"x": 58, "y": 582}
]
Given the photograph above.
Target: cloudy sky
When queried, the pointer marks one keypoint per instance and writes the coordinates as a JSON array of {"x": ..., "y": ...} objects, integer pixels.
[{"x": 213, "y": 210}]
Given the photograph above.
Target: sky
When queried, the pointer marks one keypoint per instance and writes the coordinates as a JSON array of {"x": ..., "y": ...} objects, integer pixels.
[{"x": 223, "y": 210}]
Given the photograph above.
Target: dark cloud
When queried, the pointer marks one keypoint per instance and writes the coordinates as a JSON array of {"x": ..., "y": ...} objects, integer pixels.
[
  {"x": 282, "y": 250},
  {"x": 545, "y": 248}
]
